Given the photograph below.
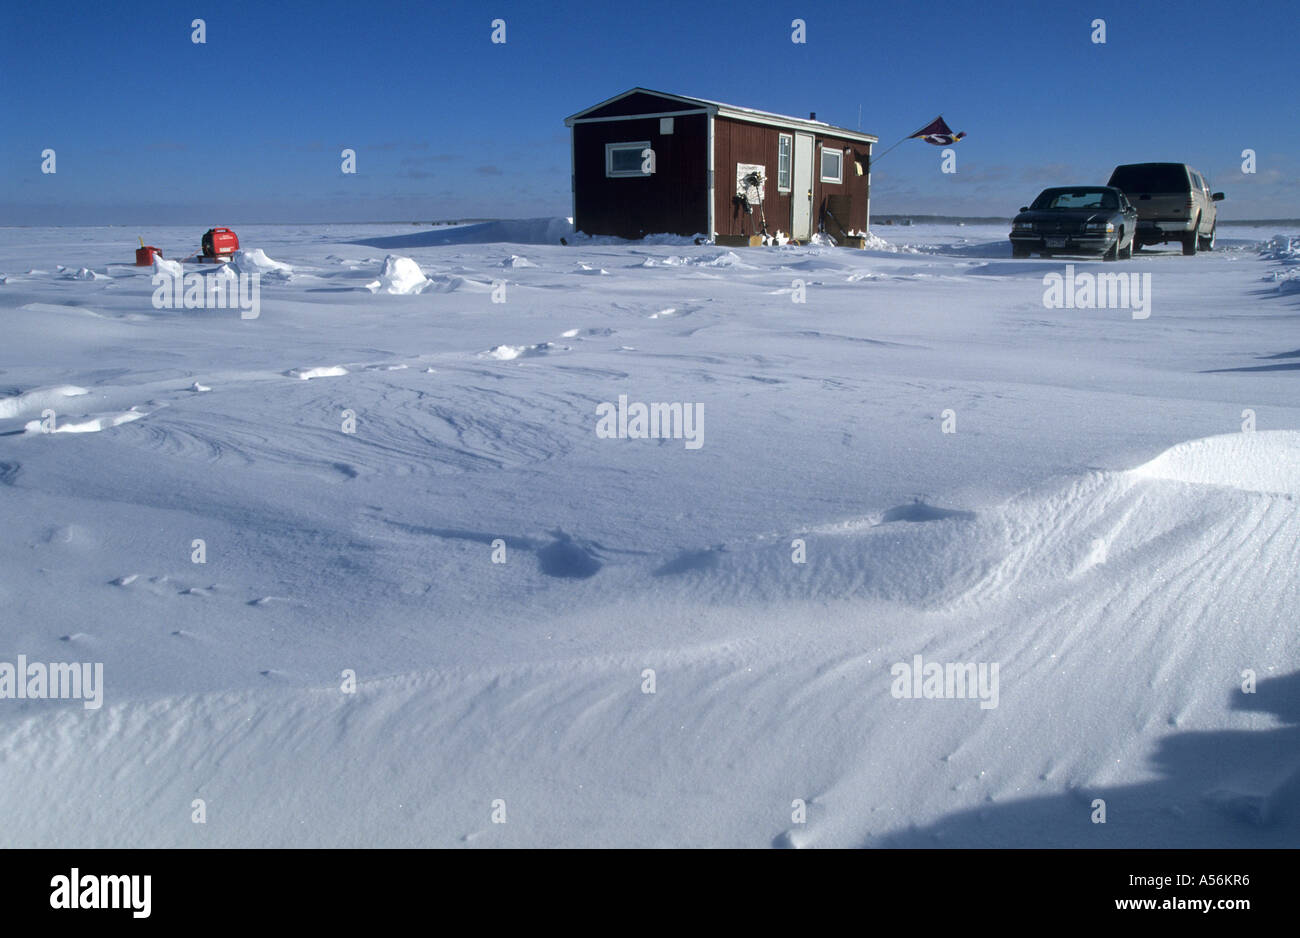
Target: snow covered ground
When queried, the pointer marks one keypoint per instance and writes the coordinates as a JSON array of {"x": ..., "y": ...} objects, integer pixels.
[{"x": 1062, "y": 497}]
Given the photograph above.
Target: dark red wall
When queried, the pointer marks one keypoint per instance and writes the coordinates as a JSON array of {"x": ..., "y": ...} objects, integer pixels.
[
  {"x": 674, "y": 200},
  {"x": 742, "y": 142}
]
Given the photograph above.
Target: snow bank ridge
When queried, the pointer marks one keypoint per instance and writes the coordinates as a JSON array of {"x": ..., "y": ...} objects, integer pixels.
[
  {"x": 1266, "y": 461},
  {"x": 31, "y": 402}
]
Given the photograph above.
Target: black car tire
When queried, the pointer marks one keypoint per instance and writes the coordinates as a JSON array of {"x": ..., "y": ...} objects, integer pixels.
[
  {"x": 1207, "y": 244},
  {"x": 1112, "y": 252},
  {"x": 1190, "y": 239},
  {"x": 1126, "y": 253},
  {"x": 1018, "y": 251}
]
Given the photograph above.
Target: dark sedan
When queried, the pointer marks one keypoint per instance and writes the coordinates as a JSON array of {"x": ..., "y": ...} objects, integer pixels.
[{"x": 1076, "y": 220}]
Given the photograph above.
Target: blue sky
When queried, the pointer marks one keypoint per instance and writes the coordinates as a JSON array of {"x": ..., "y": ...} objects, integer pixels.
[{"x": 149, "y": 127}]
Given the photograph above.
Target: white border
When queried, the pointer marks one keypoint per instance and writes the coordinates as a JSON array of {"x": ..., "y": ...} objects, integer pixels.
[
  {"x": 639, "y": 145},
  {"x": 712, "y": 233},
  {"x": 821, "y": 158},
  {"x": 789, "y": 164}
]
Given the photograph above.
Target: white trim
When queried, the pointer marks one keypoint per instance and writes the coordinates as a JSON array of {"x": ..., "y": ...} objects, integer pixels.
[
  {"x": 821, "y": 161},
  {"x": 639, "y": 146},
  {"x": 794, "y": 123},
  {"x": 868, "y": 215},
  {"x": 573, "y": 176},
  {"x": 635, "y": 117},
  {"x": 629, "y": 93},
  {"x": 789, "y": 164},
  {"x": 711, "y": 233}
]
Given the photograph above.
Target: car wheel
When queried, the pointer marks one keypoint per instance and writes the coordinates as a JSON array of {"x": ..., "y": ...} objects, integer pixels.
[
  {"x": 1112, "y": 252},
  {"x": 1018, "y": 251},
  {"x": 1207, "y": 244},
  {"x": 1190, "y": 239},
  {"x": 1125, "y": 253}
]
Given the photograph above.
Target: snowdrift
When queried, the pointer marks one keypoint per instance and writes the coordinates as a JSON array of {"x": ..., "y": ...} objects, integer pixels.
[
  {"x": 578, "y": 739},
  {"x": 508, "y": 231}
]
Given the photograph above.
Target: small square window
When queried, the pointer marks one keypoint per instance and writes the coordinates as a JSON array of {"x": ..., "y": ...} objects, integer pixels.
[
  {"x": 665, "y": 125},
  {"x": 832, "y": 165},
  {"x": 625, "y": 159}
]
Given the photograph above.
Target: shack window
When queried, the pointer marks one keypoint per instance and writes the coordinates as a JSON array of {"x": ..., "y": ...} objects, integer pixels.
[
  {"x": 785, "y": 144},
  {"x": 624, "y": 159},
  {"x": 832, "y": 165}
]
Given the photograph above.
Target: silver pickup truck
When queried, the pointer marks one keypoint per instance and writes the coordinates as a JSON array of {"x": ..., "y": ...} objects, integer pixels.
[{"x": 1174, "y": 203}]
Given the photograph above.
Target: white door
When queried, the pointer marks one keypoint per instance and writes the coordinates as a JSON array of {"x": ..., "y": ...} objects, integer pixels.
[{"x": 801, "y": 193}]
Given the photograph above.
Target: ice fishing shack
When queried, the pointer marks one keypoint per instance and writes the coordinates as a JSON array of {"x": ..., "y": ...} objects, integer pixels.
[{"x": 646, "y": 162}]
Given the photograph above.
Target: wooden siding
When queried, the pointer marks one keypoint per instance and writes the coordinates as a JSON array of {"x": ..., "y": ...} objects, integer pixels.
[
  {"x": 743, "y": 142},
  {"x": 673, "y": 201}
]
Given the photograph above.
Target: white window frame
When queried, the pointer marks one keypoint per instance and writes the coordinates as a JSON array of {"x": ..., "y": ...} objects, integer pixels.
[
  {"x": 821, "y": 164},
  {"x": 639, "y": 146},
  {"x": 789, "y": 163}
]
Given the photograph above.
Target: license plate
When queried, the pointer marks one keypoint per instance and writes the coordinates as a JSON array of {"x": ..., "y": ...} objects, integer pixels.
[{"x": 1056, "y": 242}]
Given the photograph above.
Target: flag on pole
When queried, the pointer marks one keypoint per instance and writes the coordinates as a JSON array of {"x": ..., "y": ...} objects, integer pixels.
[{"x": 938, "y": 133}]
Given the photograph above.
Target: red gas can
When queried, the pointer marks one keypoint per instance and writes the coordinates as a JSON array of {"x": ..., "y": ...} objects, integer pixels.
[
  {"x": 144, "y": 255},
  {"x": 219, "y": 242}
]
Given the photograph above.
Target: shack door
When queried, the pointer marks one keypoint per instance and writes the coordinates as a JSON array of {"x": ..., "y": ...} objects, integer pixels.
[{"x": 801, "y": 194}]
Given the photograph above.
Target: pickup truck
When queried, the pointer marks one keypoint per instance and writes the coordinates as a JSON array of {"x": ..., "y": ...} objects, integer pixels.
[{"x": 1173, "y": 201}]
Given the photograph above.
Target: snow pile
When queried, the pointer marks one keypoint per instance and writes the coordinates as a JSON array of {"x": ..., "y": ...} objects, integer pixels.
[
  {"x": 162, "y": 265},
  {"x": 1283, "y": 248},
  {"x": 505, "y": 353},
  {"x": 722, "y": 259},
  {"x": 515, "y": 260},
  {"x": 1286, "y": 250},
  {"x": 256, "y": 262},
  {"x": 84, "y": 273},
  {"x": 400, "y": 275},
  {"x": 323, "y": 371}
]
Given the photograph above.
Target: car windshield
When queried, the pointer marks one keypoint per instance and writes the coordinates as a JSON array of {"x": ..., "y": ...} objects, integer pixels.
[
  {"x": 1076, "y": 198},
  {"x": 1150, "y": 177}
]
